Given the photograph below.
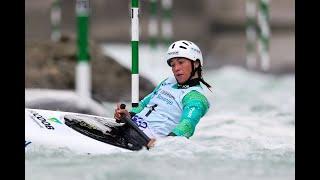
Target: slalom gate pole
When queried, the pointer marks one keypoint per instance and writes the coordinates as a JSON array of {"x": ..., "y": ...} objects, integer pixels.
[
  {"x": 55, "y": 17},
  {"x": 251, "y": 33},
  {"x": 166, "y": 26},
  {"x": 135, "y": 53},
  {"x": 83, "y": 69},
  {"x": 264, "y": 34},
  {"x": 153, "y": 24}
]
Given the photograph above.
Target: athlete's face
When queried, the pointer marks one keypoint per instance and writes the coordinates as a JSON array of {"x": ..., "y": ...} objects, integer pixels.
[{"x": 181, "y": 68}]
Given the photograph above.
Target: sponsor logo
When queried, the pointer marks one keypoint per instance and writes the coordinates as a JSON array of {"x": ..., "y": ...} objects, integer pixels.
[
  {"x": 166, "y": 93},
  {"x": 190, "y": 112},
  {"x": 27, "y": 143},
  {"x": 173, "y": 53},
  {"x": 196, "y": 50},
  {"x": 186, "y": 86},
  {"x": 36, "y": 121},
  {"x": 168, "y": 101},
  {"x": 166, "y": 97},
  {"x": 55, "y": 120},
  {"x": 42, "y": 120}
]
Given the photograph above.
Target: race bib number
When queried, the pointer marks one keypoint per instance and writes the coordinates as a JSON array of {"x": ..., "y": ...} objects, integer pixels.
[{"x": 139, "y": 122}]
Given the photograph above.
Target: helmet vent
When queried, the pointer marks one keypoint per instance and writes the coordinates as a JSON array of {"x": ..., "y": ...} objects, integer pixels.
[
  {"x": 182, "y": 47},
  {"x": 173, "y": 45},
  {"x": 185, "y": 43}
]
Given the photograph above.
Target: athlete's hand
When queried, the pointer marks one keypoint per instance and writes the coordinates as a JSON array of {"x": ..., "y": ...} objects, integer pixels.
[
  {"x": 118, "y": 113},
  {"x": 151, "y": 143}
]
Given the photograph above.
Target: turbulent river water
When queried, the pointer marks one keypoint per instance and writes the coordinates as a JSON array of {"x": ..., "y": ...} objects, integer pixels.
[{"x": 248, "y": 133}]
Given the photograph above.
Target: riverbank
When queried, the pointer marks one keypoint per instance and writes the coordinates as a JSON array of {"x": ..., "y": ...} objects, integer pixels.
[{"x": 51, "y": 65}]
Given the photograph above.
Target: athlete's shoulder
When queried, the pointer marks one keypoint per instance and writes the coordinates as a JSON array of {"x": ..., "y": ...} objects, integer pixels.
[
  {"x": 162, "y": 83},
  {"x": 168, "y": 80},
  {"x": 196, "y": 97}
]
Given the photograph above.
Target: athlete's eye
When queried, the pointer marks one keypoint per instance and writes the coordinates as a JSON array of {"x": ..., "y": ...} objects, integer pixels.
[{"x": 181, "y": 61}]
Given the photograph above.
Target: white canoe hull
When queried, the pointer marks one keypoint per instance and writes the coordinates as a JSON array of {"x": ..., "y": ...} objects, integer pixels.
[{"x": 48, "y": 129}]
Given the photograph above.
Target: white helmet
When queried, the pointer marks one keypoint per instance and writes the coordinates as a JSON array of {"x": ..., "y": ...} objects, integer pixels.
[{"x": 186, "y": 49}]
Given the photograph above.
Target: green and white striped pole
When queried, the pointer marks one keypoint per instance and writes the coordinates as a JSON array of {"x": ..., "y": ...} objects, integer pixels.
[
  {"x": 153, "y": 25},
  {"x": 264, "y": 34},
  {"x": 135, "y": 52},
  {"x": 166, "y": 26},
  {"x": 83, "y": 69},
  {"x": 55, "y": 16},
  {"x": 251, "y": 33}
]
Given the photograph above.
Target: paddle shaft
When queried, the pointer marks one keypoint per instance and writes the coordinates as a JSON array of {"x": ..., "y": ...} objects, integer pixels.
[{"x": 134, "y": 126}]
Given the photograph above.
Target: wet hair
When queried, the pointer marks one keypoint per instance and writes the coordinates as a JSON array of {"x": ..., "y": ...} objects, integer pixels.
[{"x": 199, "y": 72}]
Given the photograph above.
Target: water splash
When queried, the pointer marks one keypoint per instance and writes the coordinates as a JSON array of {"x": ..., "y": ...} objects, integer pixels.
[{"x": 249, "y": 133}]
